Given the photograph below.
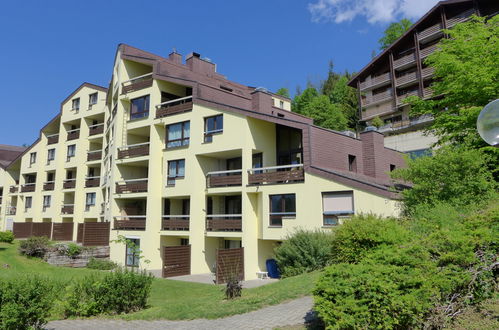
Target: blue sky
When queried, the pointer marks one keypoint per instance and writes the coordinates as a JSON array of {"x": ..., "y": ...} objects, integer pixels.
[{"x": 48, "y": 48}]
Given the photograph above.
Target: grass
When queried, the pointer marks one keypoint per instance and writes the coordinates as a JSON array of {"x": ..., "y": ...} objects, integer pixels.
[
  {"x": 482, "y": 317},
  {"x": 172, "y": 300}
]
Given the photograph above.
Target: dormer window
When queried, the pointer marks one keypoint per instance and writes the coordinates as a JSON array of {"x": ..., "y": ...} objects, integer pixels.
[
  {"x": 281, "y": 104},
  {"x": 92, "y": 99},
  {"x": 75, "y": 104}
]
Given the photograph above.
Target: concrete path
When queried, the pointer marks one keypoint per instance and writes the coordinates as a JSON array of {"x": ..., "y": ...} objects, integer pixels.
[
  {"x": 210, "y": 279},
  {"x": 294, "y": 312}
]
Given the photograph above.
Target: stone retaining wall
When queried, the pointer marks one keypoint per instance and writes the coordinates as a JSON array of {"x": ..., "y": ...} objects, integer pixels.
[{"x": 81, "y": 260}]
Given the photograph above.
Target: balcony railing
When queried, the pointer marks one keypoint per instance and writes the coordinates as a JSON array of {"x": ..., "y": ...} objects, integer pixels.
[
  {"x": 431, "y": 31},
  {"x": 69, "y": 184},
  {"x": 224, "y": 222},
  {"x": 380, "y": 97},
  {"x": 13, "y": 189},
  {"x": 421, "y": 119},
  {"x": 405, "y": 60},
  {"x": 173, "y": 107},
  {"x": 375, "y": 81},
  {"x": 137, "y": 83},
  {"x": 28, "y": 187},
  {"x": 67, "y": 208},
  {"x": 131, "y": 186},
  {"x": 52, "y": 139},
  {"x": 49, "y": 185},
  {"x": 464, "y": 16},
  {"x": 73, "y": 134},
  {"x": 427, "y": 92},
  {"x": 92, "y": 181},
  {"x": 133, "y": 150},
  {"x": 400, "y": 98},
  {"x": 11, "y": 210},
  {"x": 94, "y": 155},
  {"x": 428, "y": 72},
  {"x": 407, "y": 78},
  {"x": 224, "y": 178},
  {"x": 130, "y": 222},
  {"x": 96, "y": 129},
  {"x": 175, "y": 222},
  {"x": 427, "y": 51},
  {"x": 276, "y": 174}
]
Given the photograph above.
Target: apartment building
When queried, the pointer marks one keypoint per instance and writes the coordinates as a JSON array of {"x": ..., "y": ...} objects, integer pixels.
[
  {"x": 202, "y": 173},
  {"x": 7, "y": 155},
  {"x": 400, "y": 71}
]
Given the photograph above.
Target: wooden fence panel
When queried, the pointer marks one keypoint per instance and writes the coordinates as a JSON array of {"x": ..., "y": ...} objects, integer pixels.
[
  {"x": 42, "y": 229},
  {"x": 22, "y": 229},
  {"x": 62, "y": 231},
  {"x": 176, "y": 260},
  {"x": 79, "y": 233},
  {"x": 96, "y": 234},
  {"x": 230, "y": 262}
]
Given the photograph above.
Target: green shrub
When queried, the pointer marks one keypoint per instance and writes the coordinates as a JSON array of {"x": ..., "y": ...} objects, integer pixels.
[
  {"x": 6, "y": 236},
  {"x": 303, "y": 251},
  {"x": 101, "y": 264},
  {"x": 35, "y": 246},
  {"x": 121, "y": 291},
  {"x": 73, "y": 250},
  {"x": 25, "y": 302}
]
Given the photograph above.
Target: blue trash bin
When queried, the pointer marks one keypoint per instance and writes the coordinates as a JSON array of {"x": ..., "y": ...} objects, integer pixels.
[{"x": 272, "y": 268}]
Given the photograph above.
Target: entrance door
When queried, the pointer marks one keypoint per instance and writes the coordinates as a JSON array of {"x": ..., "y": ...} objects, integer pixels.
[{"x": 176, "y": 260}]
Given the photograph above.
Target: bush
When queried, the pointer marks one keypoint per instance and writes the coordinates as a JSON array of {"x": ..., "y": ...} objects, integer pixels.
[
  {"x": 122, "y": 291},
  {"x": 25, "y": 302},
  {"x": 101, "y": 264},
  {"x": 71, "y": 250},
  {"x": 6, "y": 236},
  {"x": 35, "y": 246},
  {"x": 233, "y": 287},
  {"x": 303, "y": 251}
]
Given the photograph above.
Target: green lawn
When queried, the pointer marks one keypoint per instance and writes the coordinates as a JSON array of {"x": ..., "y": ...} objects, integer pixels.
[{"x": 173, "y": 300}]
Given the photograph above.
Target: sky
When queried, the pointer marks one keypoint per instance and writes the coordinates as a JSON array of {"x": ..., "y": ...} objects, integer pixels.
[{"x": 49, "y": 47}]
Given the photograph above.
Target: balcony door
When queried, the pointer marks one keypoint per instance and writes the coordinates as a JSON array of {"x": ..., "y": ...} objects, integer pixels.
[{"x": 233, "y": 205}]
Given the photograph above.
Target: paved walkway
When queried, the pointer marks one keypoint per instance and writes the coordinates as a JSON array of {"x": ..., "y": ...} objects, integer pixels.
[
  {"x": 210, "y": 279},
  {"x": 294, "y": 312}
]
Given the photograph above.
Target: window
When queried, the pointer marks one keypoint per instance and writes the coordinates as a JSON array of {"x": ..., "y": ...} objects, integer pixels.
[
  {"x": 213, "y": 125},
  {"x": 289, "y": 145},
  {"x": 71, "y": 151},
  {"x": 28, "y": 202},
  {"x": 50, "y": 155},
  {"x": 352, "y": 163},
  {"x": 184, "y": 241},
  {"x": 176, "y": 170},
  {"x": 132, "y": 252},
  {"x": 50, "y": 176},
  {"x": 281, "y": 104},
  {"x": 139, "y": 107},
  {"x": 178, "y": 135},
  {"x": 75, "y": 104},
  {"x": 92, "y": 99},
  {"x": 392, "y": 167},
  {"x": 90, "y": 201},
  {"x": 32, "y": 158},
  {"x": 46, "y": 201},
  {"x": 281, "y": 206},
  {"x": 232, "y": 244},
  {"x": 335, "y": 204}
]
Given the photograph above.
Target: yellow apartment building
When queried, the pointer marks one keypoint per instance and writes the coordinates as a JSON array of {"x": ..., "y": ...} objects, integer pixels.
[{"x": 199, "y": 171}]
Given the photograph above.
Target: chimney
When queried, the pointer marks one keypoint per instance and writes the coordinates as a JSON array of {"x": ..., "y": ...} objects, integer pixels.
[
  {"x": 198, "y": 65},
  {"x": 261, "y": 100},
  {"x": 373, "y": 146},
  {"x": 175, "y": 57}
]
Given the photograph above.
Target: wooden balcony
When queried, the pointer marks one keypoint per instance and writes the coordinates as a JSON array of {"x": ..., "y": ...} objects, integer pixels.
[
  {"x": 136, "y": 83},
  {"x": 133, "y": 150},
  {"x": 407, "y": 79},
  {"x": 52, "y": 139},
  {"x": 377, "y": 98},
  {"x": 73, "y": 134},
  {"x": 427, "y": 93},
  {"x": 400, "y": 98},
  {"x": 224, "y": 222},
  {"x": 427, "y": 72},
  {"x": 404, "y": 61},
  {"x": 130, "y": 222},
  {"x": 174, "y": 107},
  {"x": 430, "y": 32},
  {"x": 425, "y": 52},
  {"x": 91, "y": 182},
  {"x": 276, "y": 175},
  {"x": 224, "y": 178},
  {"x": 131, "y": 186},
  {"x": 96, "y": 129},
  {"x": 375, "y": 81},
  {"x": 28, "y": 187},
  {"x": 175, "y": 222},
  {"x": 67, "y": 209},
  {"x": 69, "y": 184},
  {"x": 464, "y": 16},
  {"x": 49, "y": 185},
  {"x": 94, "y": 155},
  {"x": 13, "y": 189}
]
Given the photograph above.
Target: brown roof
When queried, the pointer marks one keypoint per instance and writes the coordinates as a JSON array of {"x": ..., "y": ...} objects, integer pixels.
[{"x": 8, "y": 153}]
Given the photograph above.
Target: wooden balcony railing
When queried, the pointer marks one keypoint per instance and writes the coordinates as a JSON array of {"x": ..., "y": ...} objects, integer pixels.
[
  {"x": 464, "y": 16},
  {"x": 380, "y": 97},
  {"x": 13, "y": 189},
  {"x": 407, "y": 78},
  {"x": 52, "y": 139},
  {"x": 69, "y": 184},
  {"x": 92, "y": 181},
  {"x": 175, "y": 222},
  {"x": 400, "y": 98},
  {"x": 131, "y": 186},
  {"x": 67, "y": 208},
  {"x": 224, "y": 222},
  {"x": 137, "y": 83},
  {"x": 427, "y": 51},
  {"x": 427, "y": 92},
  {"x": 405, "y": 60},
  {"x": 224, "y": 178},
  {"x": 28, "y": 187},
  {"x": 94, "y": 155},
  {"x": 49, "y": 185},
  {"x": 276, "y": 174},
  {"x": 375, "y": 81},
  {"x": 427, "y": 72},
  {"x": 173, "y": 107},
  {"x": 130, "y": 222},
  {"x": 96, "y": 129},
  {"x": 73, "y": 134},
  {"x": 133, "y": 150},
  {"x": 431, "y": 31}
]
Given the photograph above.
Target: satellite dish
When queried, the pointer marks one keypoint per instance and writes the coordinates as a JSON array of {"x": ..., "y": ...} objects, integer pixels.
[{"x": 488, "y": 123}]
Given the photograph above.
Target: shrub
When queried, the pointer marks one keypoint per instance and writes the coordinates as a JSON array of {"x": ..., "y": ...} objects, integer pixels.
[
  {"x": 303, "y": 251},
  {"x": 101, "y": 264},
  {"x": 121, "y": 291},
  {"x": 233, "y": 287},
  {"x": 25, "y": 302},
  {"x": 35, "y": 246},
  {"x": 6, "y": 236}
]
